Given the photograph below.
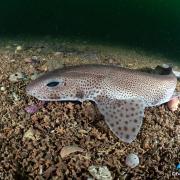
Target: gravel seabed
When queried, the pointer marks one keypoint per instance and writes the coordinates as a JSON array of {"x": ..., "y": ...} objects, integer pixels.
[{"x": 63, "y": 140}]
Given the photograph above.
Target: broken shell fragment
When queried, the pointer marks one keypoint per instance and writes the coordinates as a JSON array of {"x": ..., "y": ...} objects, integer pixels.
[
  {"x": 32, "y": 109},
  {"x": 67, "y": 150}
]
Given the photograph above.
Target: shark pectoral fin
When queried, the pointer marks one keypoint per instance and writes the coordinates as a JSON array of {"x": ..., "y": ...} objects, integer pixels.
[{"x": 124, "y": 117}]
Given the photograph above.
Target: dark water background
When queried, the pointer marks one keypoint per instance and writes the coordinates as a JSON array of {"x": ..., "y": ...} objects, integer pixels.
[{"x": 150, "y": 24}]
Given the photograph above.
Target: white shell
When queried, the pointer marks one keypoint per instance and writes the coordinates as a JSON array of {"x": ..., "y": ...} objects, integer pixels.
[{"x": 132, "y": 160}]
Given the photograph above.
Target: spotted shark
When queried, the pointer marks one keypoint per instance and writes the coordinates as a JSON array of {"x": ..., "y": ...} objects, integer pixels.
[{"x": 120, "y": 94}]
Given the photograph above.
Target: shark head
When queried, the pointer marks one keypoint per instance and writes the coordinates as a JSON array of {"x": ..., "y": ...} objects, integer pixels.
[{"x": 52, "y": 86}]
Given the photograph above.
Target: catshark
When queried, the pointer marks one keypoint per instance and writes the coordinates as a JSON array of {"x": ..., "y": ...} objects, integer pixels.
[{"x": 120, "y": 94}]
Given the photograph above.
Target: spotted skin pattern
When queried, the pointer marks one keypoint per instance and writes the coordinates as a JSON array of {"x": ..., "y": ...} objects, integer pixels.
[{"x": 120, "y": 94}]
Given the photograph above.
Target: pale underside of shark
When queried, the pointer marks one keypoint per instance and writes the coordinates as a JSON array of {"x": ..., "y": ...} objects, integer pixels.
[{"x": 121, "y": 94}]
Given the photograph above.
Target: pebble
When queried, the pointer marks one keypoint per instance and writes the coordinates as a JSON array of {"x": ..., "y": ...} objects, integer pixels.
[
  {"x": 165, "y": 65},
  {"x": 28, "y": 60},
  {"x": 16, "y": 97},
  {"x": 111, "y": 61},
  {"x": 3, "y": 88},
  {"x": 18, "y": 49},
  {"x": 147, "y": 143},
  {"x": 58, "y": 53},
  {"x": 29, "y": 134},
  {"x": 12, "y": 60},
  {"x": 16, "y": 77},
  {"x": 35, "y": 58},
  {"x": 132, "y": 160},
  {"x": 100, "y": 172}
]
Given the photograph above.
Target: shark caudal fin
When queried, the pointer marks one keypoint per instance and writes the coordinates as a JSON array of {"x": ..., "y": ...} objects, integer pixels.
[{"x": 124, "y": 117}]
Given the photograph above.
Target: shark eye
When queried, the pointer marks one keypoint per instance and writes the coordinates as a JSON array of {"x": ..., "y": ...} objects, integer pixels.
[{"x": 52, "y": 84}]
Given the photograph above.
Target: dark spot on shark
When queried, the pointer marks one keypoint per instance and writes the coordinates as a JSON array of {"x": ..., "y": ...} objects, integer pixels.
[
  {"x": 125, "y": 128},
  {"x": 133, "y": 129},
  {"x": 80, "y": 94},
  {"x": 127, "y": 136}
]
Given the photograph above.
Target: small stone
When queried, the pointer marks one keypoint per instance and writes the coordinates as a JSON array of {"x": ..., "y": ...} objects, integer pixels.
[
  {"x": 15, "y": 96},
  {"x": 132, "y": 160},
  {"x": 29, "y": 134},
  {"x": 130, "y": 65},
  {"x": 100, "y": 172},
  {"x": 58, "y": 53},
  {"x": 28, "y": 60},
  {"x": 16, "y": 77},
  {"x": 111, "y": 61},
  {"x": 12, "y": 60},
  {"x": 90, "y": 178},
  {"x": 35, "y": 58},
  {"x": 32, "y": 60},
  {"x": 3, "y": 88},
  {"x": 18, "y": 48},
  {"x": 165, "y": 66},
  {"x": 41, "y": 170},
  {"x": 82, "y": 131},
  {"x": 146, "y": 143}
]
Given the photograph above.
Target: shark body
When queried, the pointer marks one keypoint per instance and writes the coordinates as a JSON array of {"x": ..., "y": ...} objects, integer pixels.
[{"x": 121, "y": 94}]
